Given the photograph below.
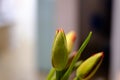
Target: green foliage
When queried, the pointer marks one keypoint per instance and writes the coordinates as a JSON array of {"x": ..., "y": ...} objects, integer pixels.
[{"x": 63, "y": 64}]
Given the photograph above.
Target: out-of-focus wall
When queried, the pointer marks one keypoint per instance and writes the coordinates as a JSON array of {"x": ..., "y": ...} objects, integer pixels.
[
  {"x": 67, "y": 17},
  {"x": 67, "y": 14},
  {"x": 95, "y": 16},
  {"x": 4, "y": 36},
  {"x": 18, "y": 61},
  {"x": 115, "y": 42},
  {"x": 45, "y": 29}
]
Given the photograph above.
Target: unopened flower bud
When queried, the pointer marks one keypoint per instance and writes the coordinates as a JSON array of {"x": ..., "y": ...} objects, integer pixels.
[
  {"x": 71, "y": 37},
  {"x": 88, "y": 68},
  {"x": 70, "y": 58},
  {"x": 59, "y": 51}
]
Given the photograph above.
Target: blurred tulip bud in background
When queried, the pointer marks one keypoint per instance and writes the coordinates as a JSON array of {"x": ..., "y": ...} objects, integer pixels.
[
  {"x": 70, "y": 58},
  {"x": 71, "y": 37}
]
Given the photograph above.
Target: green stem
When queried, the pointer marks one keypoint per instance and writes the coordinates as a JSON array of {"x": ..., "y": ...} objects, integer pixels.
[
  {"x": 53, "y": 78},
  {"x": 58, "y": 75},
  {"x": 51, "y": 74}
]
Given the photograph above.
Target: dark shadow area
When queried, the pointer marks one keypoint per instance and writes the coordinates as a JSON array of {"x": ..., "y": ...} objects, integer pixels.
[{"x": 95, "y": 16}]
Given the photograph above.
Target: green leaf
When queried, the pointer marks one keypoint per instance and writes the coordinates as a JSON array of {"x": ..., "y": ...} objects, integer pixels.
[{"x": 68, "y": 72}]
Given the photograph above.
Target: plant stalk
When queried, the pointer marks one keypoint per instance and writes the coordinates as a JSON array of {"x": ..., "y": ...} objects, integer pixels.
[{"x": 51, "y": 74}]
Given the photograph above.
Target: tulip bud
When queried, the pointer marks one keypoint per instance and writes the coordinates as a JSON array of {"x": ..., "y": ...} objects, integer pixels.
[
  {"x": 70, "y": 58},
  {"x": 88, "y": 68},
  {"x": 71, "y": 37},
  {"x": 59, "y": 51}
]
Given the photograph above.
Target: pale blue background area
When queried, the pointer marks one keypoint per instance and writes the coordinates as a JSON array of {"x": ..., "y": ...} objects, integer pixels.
[{"x": 46, "y": 31}]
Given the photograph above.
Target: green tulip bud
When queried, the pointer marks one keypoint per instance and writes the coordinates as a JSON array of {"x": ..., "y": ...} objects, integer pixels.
[
  {"x": 71, "y": 37},
  {"x": 59, "y": 51},
  {"x": 88, "y": 68}
]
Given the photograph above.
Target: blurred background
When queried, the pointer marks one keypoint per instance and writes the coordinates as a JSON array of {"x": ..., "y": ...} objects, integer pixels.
[{"x": 27, "y": 29}]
